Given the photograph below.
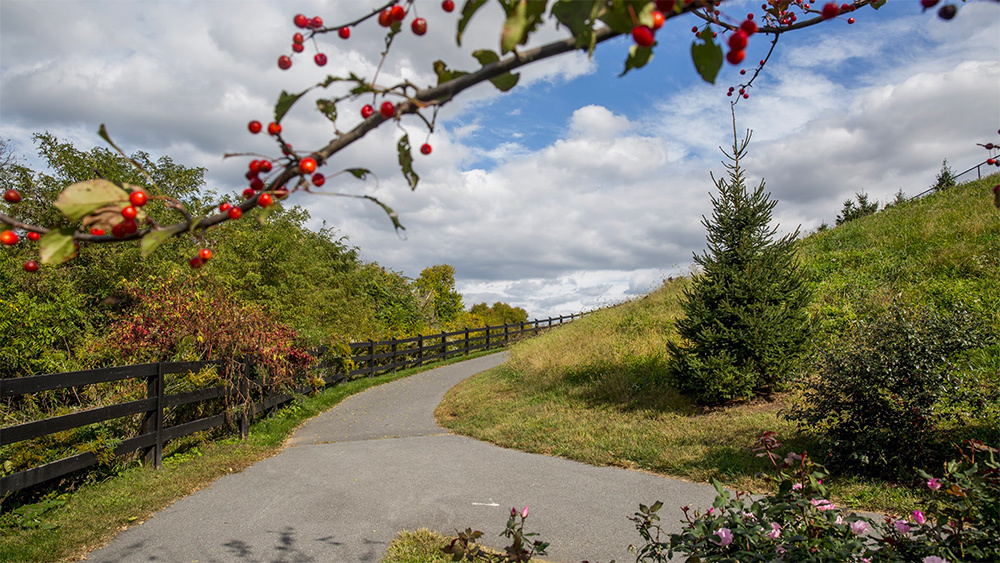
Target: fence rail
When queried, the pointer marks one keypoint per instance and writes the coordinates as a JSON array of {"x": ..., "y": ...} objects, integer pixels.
[{"x": 370, "y": 358}]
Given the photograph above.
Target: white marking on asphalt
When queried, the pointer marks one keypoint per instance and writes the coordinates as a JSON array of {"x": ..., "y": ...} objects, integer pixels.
[{"x": 491, "y": 503}]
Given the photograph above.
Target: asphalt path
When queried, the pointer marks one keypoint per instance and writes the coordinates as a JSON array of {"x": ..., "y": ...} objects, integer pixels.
[{"x": 351, "y": 478}]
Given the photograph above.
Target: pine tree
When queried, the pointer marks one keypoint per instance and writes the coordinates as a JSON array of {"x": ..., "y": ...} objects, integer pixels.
[
  {"x": 945, "y": 178},
  {"x": 745, "y": 323}
]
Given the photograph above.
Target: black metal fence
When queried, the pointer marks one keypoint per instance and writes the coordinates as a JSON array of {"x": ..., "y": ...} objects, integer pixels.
[{"x": 368, "y": 359}]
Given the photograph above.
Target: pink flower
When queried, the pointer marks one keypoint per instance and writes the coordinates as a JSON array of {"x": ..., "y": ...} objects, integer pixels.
[
  {"x": 858, "y": 527},
  {"x": 902, "y": 527},
  {"x": 780, "y": 550},
  {"x": 797, "y": 487},
  {"x": 840, "y": 519},
  {"x": 933, "y": 484},
  {"x": 513, "y": 511},
  {"x": 524, "y": 513},
  {"x": 711, "y": 510},
  {"x": 822, "y": 504},
  {"x": 933, "y": 559},
  {"x": 725, "y": 536},
  {"x": 919, "y": 518},
  {"x": 775, "y": 531}
]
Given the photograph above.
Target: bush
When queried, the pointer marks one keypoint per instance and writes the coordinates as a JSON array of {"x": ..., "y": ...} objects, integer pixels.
[{"x": 877, "y": 403}]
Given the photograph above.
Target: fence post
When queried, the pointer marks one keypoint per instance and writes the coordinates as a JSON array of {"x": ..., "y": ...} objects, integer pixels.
[
  {"x": 506, "y": 333},
  {"x": 371, "y": 357},
  {"x": 243, "y": 392},
  {"x": 393, "y": 354},
  {"x": 487, "y": 336},
  {"x": 444, "y": 346},
  {"x": 466, "y": 341},
  {"x": 536, "y": 327},
  {"x": 154, "y": 419},
  {"x": 420, "y": 350}
]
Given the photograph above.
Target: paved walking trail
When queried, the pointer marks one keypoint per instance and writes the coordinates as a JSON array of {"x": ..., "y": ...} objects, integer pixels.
[{"x": 378, "y": 463}]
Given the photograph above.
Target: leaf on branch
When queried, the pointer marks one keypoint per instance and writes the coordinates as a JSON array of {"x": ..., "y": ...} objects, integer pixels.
[
  {"x": 359, "y": 173},
  {"x": 707, "y": 56},
  {"x": 153, "y": 239},
  {"x": 393, "y": 216},
  {"x": 82, "y": 198},
  {"x": 285, "y": 101},
  {"x": 328, "y": 108},
  {"x": 103, "y": 132},
  {"x": 444, "y": 74},
  {"x": 57, "y": 246},
  {"x": 503, "y": 82},
  {"x": 878, "y": 4},
  {"x": 579, "y": 17},
  {"x": 637, "y": 57},
  {"x": 618, "y": 17},
  {"x": 523, "y": 17},
  {"x": 470, "y": 8},
  {"x": 264, "y": 212},
  {"x": 106, "y": 217},
  {"x": 406, "y": 161}
]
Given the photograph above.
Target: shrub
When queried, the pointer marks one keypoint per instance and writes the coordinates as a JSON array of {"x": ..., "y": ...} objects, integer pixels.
[{"x": 876, "y": 402}]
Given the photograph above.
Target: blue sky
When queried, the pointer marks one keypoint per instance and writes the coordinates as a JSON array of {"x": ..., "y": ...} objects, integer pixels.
[{"x": 575, "y": 190}]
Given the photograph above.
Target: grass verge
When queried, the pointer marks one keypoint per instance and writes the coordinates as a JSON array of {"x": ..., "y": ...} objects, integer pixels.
[
  {"x": 422, "y": 546},
  {"x": 95, "y": 513}
]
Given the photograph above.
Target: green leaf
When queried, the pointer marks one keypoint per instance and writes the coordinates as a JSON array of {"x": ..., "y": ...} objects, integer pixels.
[
  {"x": 503, "y": 82},
  {"x": 444, "y": 74},
  {"x": 638, "y": 57},
  {"x": 285, "y": 101},
  {"x": 579, "y": 17},
  {"x": 470, "y": 8},
  {"x": 154, "y": 238},
  {"x": 523, "y": 17},
  {"x": 878, "y": 4},
  {"x": 328, "y": 108},
  {"x": 264, "y": 212},
  {"x": 393, "y": 216},
  {"x": 57, "y": 246},
  {"x": 406, "y": 161},
  {"x": 359, "y": 173},
  {"x": 707, "y": 56},
  {"x": 79, "y": 199}
]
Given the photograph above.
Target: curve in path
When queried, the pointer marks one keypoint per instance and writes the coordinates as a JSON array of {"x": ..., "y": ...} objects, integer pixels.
[{"x": 378, "y": 463}]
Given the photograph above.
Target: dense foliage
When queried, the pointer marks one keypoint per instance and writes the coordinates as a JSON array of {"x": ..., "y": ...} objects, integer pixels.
[{"x": 745, "y": 322}]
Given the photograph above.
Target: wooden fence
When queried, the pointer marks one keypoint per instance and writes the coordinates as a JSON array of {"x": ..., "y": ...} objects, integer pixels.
[{"x": 370, "y": 358}]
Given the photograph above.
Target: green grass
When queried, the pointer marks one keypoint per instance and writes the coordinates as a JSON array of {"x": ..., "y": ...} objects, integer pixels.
[
  {"x": 594, "y": 391},
  {"x": 421, "y": 546},
  {"x": 94, "y": 513}
]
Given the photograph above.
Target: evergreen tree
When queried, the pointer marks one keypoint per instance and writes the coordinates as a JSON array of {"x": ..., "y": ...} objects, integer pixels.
[
  {"x": 945, "y": 178},
  {"x": 863, "y": 208},
  {"x": 745, "y": 323}
]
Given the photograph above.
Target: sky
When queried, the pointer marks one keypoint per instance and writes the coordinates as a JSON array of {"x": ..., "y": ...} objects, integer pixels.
[{"x": 577, "y": 189}]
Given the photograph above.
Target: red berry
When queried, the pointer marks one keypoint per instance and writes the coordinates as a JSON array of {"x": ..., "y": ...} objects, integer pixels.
[
  {"x": 257, "y": 184},
  {"x": 387, "y": 109},
  {"x": 249, "y": 193},
  {"x": 642, "y": 35},
  {"x": 254, "y": 127},
  {"x": 138, "y": 198},
  {"x": 385, "y": 18},
  {"x": 129, "y": 212},
  {"x": 947, "y": 12},
  {"x": 265, "y": 166},
  {"x": 298, "y": 47},
  {"x": 274, "y": 128},
  {"x": 738, "y": 41},
  {"x": 224, "y": 206},
  {"x": 235, "y": 213},
  {"x": 830, "y": 10},
  {"x": 205, "y": 254},
  {"x": 658, "y": 19},
  {"x": 318, "y": 179},
  {"x": 33, "y": 236},
  {"x": 367, "y": 111},
  {"x": 300, "y": 20},
  {"x": 12, "y": 196},
  {"x": 448, "y": 5},
  {"x": 297, "y": 38},
  {"x": 287, "y": 149},
  {"x": 196, "y": 262},
  {"x": 344, "y": 32},
  {"x": 254, "y": 168},
  {"x": 284, "y": 63},
  {"x": 736, "y": 57},
  {"x": 307, "y": 165},
  {"x": 850, "y": 20},
  {"x": 928, "y": 3},
  {"x": 282, "y": 192},
  {"x": 991, "y": 161},
  {"x": 320, "y": 59},
  {"x": 419, "y": 26},
  {"x": 9, "y": 238},
  {"x": 425, "y": 149},
  {"x": 316, "y": 22},
  {"x": 129, "y": 226},
  {"x": 988, "y": 146},
  {"x": 265, "y": 200},
  {"x": 749, "y": 27},
  {"x": 398, "y": 13},
  {"x": 31, "y": 266}
]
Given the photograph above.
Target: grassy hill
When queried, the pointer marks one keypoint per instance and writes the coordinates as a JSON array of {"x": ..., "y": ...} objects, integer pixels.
[{"x": 595, "y": 390}]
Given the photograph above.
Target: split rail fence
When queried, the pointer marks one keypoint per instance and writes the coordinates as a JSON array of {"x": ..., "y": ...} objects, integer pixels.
[{"x": 370, "y": 358}]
